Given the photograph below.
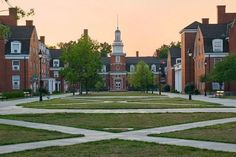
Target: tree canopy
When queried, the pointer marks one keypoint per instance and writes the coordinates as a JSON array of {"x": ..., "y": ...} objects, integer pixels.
[
  {"x": 162, "y": 52},
  {"x": 82, "y": 60},
  {"x": 225, "y": 71},
  {"x": 105, "y": 49},
  {"x": 142, "y": 77}
]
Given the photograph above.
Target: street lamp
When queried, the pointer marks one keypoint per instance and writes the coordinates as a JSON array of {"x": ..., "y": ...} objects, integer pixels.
[
  {"x": 159, "y": 80},
  {"x": 205, "y": 91},
  {"x": 190, "y": 65},
  {"x": 40, "y": 76}
]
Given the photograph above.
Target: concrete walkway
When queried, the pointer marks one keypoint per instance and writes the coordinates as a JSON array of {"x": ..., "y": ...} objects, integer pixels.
[
  {"x": 139, "y": 135},
  {"x": 9, "y": 107},
  {"x": 225, "y": 102}
]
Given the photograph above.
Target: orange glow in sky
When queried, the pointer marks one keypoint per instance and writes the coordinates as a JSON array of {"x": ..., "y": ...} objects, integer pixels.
[{"x": 145, "y": 24}]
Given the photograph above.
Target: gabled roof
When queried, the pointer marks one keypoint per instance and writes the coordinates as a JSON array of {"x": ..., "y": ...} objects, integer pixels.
[
  {"x": 147, "y": 60},
  {"x": 214, "y": 30},
  {"x": 192, "y": 26},
  {"x": 22, "y": 34},
  {"x": 55, "y": 54}
]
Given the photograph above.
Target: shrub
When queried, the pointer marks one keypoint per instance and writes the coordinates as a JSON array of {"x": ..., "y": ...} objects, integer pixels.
[
  {"x": 166, "y": 88},
  {"x": 189, "y": 89},
  {"x": 196, "y": 92},
  {"x": 14, "y": 94},
  {"x": 99, "y": 86}
]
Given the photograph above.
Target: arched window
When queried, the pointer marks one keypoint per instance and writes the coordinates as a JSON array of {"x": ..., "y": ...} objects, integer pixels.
[
  {"x": 132, "y": 68},
  {"x": 15, "y": 47},
  {"x": 217, "y": 45},
  {"x": 154, "y": 68}
]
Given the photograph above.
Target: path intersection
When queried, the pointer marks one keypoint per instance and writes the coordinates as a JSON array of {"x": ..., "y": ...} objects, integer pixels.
[{"x": 9, "y": 107}]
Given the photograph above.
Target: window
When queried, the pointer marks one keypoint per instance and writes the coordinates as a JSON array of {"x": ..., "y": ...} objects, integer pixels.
[
  {"x": 56, "y": 74},
  {"x": 15, "y": 82},
  {"x": 56, "y": 63},
  {"x": 132, "y": 68},
  {"x": 154, "y": 68},
  {"x": 104, "y": 68},
  {"x": 15, "y": 47},
  {"x": 117, "y": 59},
  {"x": 217, "y": 45},
  {"x": 15, "y": 65}
]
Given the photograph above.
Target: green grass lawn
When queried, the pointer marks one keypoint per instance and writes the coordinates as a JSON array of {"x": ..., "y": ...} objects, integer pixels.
[
  {"x": 120, "y": 148},
  {"x": 120, "y": 103},
  {"x": 101, "y": 121},
  {"x": 219, "y": 133},
  {"x": 14, "y": 134},
  {"x": 130, "y": 93}
]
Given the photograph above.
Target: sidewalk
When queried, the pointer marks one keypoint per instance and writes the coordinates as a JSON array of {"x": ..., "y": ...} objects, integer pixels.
[{"x": 225, "y": 102}]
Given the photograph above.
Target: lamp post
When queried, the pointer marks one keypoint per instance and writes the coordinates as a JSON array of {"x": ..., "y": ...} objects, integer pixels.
[
  {"x": 159, "y": 80},
  {"x": 190, "y": 65},
  {"x": 40, "y": 76},
  {"x": 205, "y": 91}
]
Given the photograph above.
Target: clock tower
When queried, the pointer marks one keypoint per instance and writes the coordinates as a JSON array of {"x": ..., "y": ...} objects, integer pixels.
[{"x": 118, "y": 73}]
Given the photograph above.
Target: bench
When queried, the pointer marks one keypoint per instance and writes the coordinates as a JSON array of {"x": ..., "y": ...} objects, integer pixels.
[
  {"x": 27, "y": 94},
  {"x": 219, "y": 94}
]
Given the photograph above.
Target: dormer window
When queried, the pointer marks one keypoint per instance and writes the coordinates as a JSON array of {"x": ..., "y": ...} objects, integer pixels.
[
  {"x": 15, "y": 47},
  {"x": 104, "y": 68},
  {"x": 132, "y": 68},
  {"x": 56, "y": 63},
  {"x": 154, "y": 68},
  {"x": 217, "y": 45}
]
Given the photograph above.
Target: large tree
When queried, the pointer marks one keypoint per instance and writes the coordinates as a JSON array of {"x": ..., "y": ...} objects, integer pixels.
[
  {"x": 142, "y": 78},
  {"x": 105, "y": 49},
  {"x": 162, "y": 52},
  {"x": 224, "y": 71},
  {"x": 82, "y": 60}
]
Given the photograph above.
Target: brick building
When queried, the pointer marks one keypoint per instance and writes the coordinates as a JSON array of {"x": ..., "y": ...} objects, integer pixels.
[
  {"x": 115, "y": 69},
  {"x": 208, "y": 44}
]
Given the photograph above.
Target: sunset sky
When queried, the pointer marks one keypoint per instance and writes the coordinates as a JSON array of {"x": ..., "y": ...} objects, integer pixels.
[{"x": 145, "y": 24}]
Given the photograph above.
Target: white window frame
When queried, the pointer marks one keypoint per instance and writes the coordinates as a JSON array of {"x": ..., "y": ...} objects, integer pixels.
[
  {"x": 16, "y": 82},
  {"x": 154, "y": 68},
  {"x": 132, "y": 68},
  {"x": 117, "y": 59},
  {"x": 16, "y": 50},
  {"x": 217, "y": 45},
  {"x": 56, "y": 74},
  {"x": 15, "y": 67},
  {"x": 178, "y": 60},
  {"x": 104, "y": 68},
  {"x": 54, "y": 65}
]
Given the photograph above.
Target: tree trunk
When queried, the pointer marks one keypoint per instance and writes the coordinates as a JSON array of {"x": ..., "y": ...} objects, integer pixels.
[
  {"x": 73, "y": 89},
  {"x": 80, "y": 88},
  {"x": 86, "y": 86}
]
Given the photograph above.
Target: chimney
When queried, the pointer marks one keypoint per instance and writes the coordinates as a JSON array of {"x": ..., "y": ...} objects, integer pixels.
[
  {"x": 29, "y": 22},
  {"x": 137, "y": 53},
  {"x": 221, "y": 13},
  {"x": 13, "y": 12},
  {"x": 85, "y": 32},
  {"x": 205, "y": 20},
  {"x": 42, "y": 39}
]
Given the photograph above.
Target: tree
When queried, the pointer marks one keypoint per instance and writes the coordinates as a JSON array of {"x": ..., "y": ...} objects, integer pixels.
[
  {"x": 224, "y": 71},
  {"x": 142, "y": 78},
  {"x": 82, "y": 60},
  {"x": 162, "y": 52},
  {"x": 105, "y": 49}
]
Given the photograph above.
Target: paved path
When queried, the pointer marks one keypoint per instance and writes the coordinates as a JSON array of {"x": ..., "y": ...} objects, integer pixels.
[
  {"x": 139, "y": 135},
  {"x": 9, "y": 107},
  {"x": 225, "y": 102}
]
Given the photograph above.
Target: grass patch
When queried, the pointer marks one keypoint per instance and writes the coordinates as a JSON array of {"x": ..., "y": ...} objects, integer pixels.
[
  {"x": 230, "y": 97},
  {"x": 14, "y": 134},
  {"x": 217, "y": 133},
  {"x": 120, "y": 103},
  {"x": 101, "y": 121},
  {"x": 120, "y": 148}
]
